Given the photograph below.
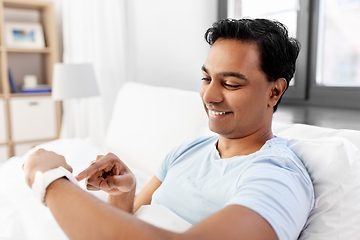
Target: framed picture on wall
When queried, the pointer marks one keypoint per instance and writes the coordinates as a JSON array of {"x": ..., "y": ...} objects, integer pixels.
[{"x": 24, "y": 35}]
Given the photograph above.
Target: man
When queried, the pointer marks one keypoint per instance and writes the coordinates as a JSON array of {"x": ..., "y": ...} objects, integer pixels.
[{"x": 242, "y": 184}]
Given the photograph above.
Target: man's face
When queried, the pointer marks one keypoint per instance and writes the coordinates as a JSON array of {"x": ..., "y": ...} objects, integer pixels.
[{"x": 235, "y": 92}]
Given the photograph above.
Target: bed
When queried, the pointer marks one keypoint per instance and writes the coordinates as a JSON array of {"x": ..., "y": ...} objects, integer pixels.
[{"x": 158, "y": 119}]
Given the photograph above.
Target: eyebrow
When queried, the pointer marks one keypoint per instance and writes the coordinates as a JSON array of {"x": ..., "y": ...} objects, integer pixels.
[{"x": 228, "y": 74}]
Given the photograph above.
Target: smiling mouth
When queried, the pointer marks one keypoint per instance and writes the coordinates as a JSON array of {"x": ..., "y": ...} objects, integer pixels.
[{"x": 216, "y": 113}]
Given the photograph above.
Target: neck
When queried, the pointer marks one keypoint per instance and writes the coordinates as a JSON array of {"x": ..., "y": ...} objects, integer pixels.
[{"x": 230, "y": 147}]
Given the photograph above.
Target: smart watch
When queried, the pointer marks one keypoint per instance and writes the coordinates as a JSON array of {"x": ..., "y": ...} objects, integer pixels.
[{"x": 43, "y": 180}]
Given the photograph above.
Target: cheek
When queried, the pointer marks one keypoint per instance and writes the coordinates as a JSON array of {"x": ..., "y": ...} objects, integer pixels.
[
  {"x": 202, "y": 91},
  {"x": 249, "y": 103}
]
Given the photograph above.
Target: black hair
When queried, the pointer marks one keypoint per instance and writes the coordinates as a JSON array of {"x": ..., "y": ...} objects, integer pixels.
[{"x": 278, "y": 51}]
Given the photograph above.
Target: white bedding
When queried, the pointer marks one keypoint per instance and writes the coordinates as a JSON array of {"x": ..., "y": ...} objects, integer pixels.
[
  {"x": 21, "y": 216},
  {"x": 162, "y": 217},
  {"x": 337, "y": 191},
  {"x": 157, "y": 119}
]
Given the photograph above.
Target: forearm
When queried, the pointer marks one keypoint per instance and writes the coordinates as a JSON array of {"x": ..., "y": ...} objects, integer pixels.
[
  {"x": 83, "y": 216},
  {"x": 123, "y": 201}
]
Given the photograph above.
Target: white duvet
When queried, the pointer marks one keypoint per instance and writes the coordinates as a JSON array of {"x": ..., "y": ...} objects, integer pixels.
[
  {"x": 331, "y": 159},
  {"x": 21, "y": 216}
]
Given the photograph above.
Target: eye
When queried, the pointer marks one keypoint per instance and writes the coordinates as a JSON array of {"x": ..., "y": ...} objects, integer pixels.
[
  {"x": 207, "y": 80},
  {"x": 231, "y": 86}
]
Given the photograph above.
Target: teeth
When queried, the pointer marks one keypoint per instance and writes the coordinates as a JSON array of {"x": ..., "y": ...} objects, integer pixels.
[{"x": 216, "y": 113}]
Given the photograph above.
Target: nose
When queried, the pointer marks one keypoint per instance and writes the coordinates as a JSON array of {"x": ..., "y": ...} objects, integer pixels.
[{"x": 211, "y": 92}]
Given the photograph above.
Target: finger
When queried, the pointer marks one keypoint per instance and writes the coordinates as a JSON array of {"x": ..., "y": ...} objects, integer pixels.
[
  {"x": 95, "y": 179},
  {"x": 38, "y": 151},
  {"x": 92, "y": 188},
  {"x": 104, "y": 185},
  {"x": 88, "y": 184},
  {"x": 124, "y": 182},
  {"x": 91, "y": 170},
  {"x": 106, "y": 163},
  {"x": 98, "y": 157}
]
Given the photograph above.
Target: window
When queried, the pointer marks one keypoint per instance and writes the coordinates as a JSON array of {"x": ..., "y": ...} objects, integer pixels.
[
  {"x": 338, "y": 51},
  {"x": 284, "y": 11},
  {"x": 328, "y": 67}
]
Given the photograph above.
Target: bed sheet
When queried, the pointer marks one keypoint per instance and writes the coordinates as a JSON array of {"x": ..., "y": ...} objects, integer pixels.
[{"x": 21, "y": 215}]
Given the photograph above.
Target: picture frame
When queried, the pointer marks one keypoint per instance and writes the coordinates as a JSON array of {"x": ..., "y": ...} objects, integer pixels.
[{"x": 24, "y": 35}]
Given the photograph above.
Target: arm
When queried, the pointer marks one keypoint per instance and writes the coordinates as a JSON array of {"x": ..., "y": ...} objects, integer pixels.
[
  {"x": 145, "y": 196},
  {"x": 82, "y": 216}
]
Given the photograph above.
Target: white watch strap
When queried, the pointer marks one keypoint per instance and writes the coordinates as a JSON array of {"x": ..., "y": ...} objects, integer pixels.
[{"x": 43, "y": 180}]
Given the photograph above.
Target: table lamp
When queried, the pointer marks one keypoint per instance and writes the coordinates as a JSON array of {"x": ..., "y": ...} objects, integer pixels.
[{"x": 74, "y": 81}]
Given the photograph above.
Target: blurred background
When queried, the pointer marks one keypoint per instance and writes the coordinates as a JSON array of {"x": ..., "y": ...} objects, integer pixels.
[{"x": 161, "y": 43}]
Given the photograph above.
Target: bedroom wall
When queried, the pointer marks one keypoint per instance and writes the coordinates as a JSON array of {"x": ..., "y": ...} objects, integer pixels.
[
  {"x": 169, "y": 47},
  {"x": 166, "y": 43}
]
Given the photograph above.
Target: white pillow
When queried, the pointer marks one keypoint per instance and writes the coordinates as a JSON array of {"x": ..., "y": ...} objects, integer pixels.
[
  {"x": 304, "y": 131},
  {"x": 334, "y": 166},
  {"x": 149, "y": 121}
]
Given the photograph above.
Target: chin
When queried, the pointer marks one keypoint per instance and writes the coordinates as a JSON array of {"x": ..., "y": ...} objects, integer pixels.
[
  {"x": 226, "y": 133},
  {"x": 221, "y": 132}
]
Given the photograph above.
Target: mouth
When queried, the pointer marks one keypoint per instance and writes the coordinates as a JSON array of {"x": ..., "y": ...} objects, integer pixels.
[{"x": 216, "y": 113}]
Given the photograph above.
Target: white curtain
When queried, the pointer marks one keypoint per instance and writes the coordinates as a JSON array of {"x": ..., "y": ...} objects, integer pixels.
[{"x": 95, "y": 31}]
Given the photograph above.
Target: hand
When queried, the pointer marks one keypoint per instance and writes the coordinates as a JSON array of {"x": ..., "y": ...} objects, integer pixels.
[
  {"x": 42, "y": 160},
  {"x": 110, "y": 174}
]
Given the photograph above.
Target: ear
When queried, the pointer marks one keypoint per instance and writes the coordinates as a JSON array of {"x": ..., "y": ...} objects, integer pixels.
[{"x": 277, "y": 89}]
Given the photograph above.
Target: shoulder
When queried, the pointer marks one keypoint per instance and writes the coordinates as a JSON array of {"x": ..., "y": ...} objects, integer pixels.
[
  {"x": 277, "y": 186},
  {"x": 277, "y": 165},
  {"x": 276, "y": 160},
  {"x": 194, "y": 144},
  {"x": 188, "y": 148},
  {"x": 277, "y": 152}
]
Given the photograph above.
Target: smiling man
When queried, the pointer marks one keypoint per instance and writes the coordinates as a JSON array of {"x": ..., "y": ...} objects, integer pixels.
[
  {"x": 238, "y": 97},
  {"x": 243, "y": 183}
]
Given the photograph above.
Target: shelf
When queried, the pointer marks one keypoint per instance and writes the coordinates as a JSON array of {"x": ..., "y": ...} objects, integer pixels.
[
  {"x": 29, "y": 94},
  {"x": 33, "y": 141},
  {"x": 26, "y": 50},
  {"x": 25, "y": 4},
  {"x": 42, "y": 118}
]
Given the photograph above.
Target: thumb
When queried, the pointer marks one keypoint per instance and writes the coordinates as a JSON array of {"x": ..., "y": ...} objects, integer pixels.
[{"x": 124, "y": 183}]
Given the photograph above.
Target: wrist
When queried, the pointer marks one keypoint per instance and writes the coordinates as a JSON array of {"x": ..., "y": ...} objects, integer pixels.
[
  {"x": 43, "y": 180},
  {"x": 52, "y": 187},
  {"x": 123, "y": 201}
]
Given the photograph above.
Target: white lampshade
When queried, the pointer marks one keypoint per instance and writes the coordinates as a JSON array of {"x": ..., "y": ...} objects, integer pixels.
[{"x": 73, "y": 81}]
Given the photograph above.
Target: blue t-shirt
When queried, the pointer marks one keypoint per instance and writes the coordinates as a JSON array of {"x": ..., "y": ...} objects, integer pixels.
[{"x": 273, "y": 182}]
